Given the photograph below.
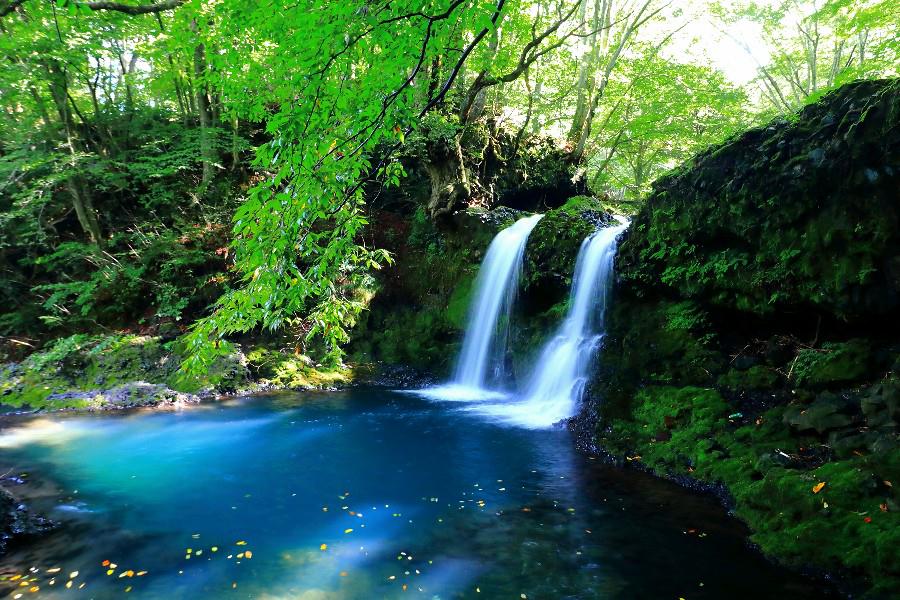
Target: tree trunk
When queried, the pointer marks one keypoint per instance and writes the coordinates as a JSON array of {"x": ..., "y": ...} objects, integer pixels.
[
  {"x": 450, "y": 188},
  {"x": 202, "y": 99},
  {"x": 81, "y": 197}
]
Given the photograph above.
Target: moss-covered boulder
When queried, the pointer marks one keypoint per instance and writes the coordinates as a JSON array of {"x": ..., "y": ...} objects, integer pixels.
[
  {"x": 753, "y": 341},
  {"x": 552, "y": 248},
  {"x": 111, "y": 371},
  {"x": 802, "y": 214}
]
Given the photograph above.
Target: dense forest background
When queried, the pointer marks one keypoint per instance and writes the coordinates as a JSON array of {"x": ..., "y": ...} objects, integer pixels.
[{"x": 220, "y": 160}]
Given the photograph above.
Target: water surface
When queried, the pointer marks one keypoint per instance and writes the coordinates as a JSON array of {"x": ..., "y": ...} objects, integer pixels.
[{"x": 358, "y": 494}]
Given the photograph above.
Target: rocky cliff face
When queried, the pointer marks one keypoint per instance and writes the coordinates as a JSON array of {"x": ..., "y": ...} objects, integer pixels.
[{"x": 755, "y": 336}]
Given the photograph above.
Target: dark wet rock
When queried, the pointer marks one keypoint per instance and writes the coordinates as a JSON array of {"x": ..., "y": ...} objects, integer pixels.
[
  {"x": 130, "y": 395},
  {"x": 18, "y": 523},
  {"x": 827, "y": 413},
  {"x": 397, "y": 377}
]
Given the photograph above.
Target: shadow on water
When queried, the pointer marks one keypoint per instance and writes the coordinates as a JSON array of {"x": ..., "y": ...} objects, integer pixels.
[{"x": 359, "y": 494}]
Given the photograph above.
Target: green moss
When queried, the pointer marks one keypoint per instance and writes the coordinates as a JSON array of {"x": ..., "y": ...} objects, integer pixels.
[
  {"x": 293, "y": 371},
  {"x": 757, "y": 377},
  {"x": 687, "y": 431},
  {"x": 460, "y": 299},
  {"x": 58, "y": 376},
  {"x": 833, "y": 364}
]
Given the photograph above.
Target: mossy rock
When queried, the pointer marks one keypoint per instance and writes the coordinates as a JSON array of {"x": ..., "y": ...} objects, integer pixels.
[
  {"x": 833, "y": 364},
  {"x": 552, "y": 248},
  {"x": 84, "y": 371},
  {"x": 756, "y": 378},
  {"x": 797, "y": 215},
  {"x": 291, "y": 371}
]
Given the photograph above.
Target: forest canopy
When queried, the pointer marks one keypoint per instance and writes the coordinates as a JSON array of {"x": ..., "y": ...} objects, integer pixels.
[{"x": 167, "y": 161}]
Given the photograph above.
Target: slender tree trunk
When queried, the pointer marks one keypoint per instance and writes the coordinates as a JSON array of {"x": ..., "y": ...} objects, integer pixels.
[
  {"x": 235, "y": 144},
  {"x": 81, "y": 197},
  {"x": 203, "y": 110},
  {"x": 585, "y": 71}
]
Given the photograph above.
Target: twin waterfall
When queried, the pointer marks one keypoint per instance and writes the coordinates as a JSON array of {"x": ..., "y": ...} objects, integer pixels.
[{"x": 557, "y": 381}]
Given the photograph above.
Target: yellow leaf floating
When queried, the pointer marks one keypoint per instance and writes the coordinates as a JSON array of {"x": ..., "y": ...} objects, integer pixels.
[
  {"x": 323, "y": 547},
  {"x": 348, "y": 530},
  {"x": 248, "y": 555},
  {"x": 818, "y": 487},
  {"x": 240, "y": 543},
  {"x": 214, "y": 549}
]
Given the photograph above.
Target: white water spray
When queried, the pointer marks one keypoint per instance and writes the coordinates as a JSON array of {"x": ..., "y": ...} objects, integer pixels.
[
  {"x": 488, "y": 324},
  {"x": 555, "y": 389}
]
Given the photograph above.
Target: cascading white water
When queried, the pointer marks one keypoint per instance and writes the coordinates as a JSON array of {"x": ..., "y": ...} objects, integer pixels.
[
  {"x": 495, "y": 290},
  {"x": 555, "y": 388}
]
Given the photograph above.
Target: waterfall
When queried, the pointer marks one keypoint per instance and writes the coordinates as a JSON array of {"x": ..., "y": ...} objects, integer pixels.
[
  {"x": 484, "y": 342},
  {"x": 555, "y": 388}
]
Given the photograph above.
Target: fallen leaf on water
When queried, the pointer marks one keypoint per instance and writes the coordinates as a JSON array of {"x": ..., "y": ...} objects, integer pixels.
[
  {"x": 248, "y": 554},
  {"x": 818, "y": 487},
  {"x": 141, "y": 573},
  {"x": 323, "y": 547},
  {"x": 105, "y": 563},
  {"x": 54, "y": 570},
  {"x": 404, "y": 587},
  {"x": 73, "y": 574},
  {"x": 214, "y": 549},
  {"x": 343, "y": 573},
  {"x": 69, "y": 584},
  {"x": 240, "y": 543},
  {"x": 33, "y": 589},
  {"x": 128, "y": 589},
  {"x": 110, "y": 571},
  {"x": 348, "y": 530}
]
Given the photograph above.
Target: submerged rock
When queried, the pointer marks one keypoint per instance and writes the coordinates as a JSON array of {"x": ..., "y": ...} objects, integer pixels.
[{"x": 17, "y": 522}]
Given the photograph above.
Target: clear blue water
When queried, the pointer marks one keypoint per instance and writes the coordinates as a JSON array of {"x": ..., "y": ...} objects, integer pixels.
[{"x": 411, "y": 500}]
